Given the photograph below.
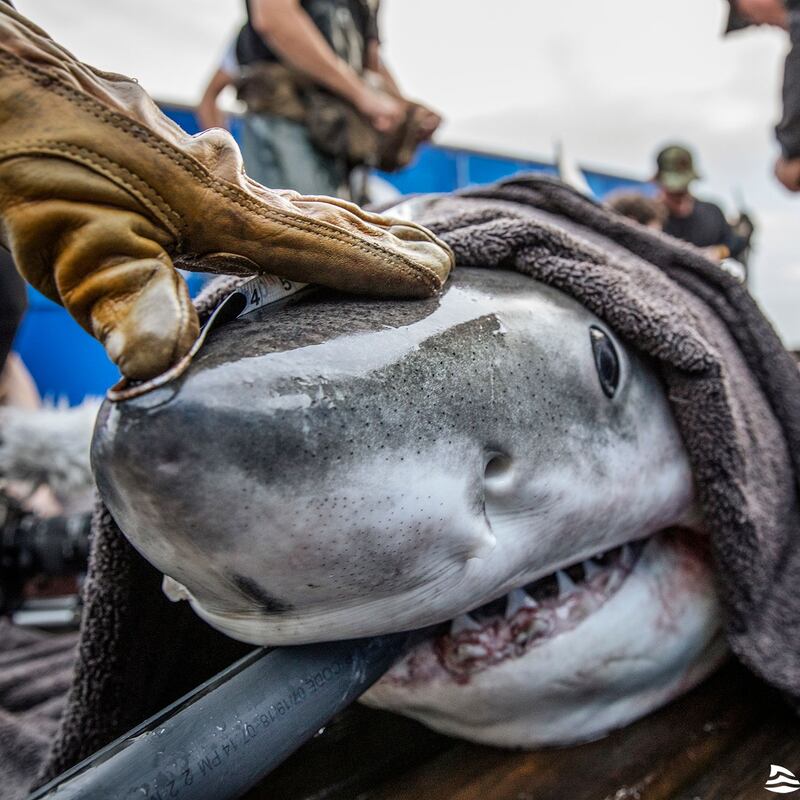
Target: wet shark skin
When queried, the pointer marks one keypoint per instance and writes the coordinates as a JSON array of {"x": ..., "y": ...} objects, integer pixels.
[{"x": 321, "y": 470}]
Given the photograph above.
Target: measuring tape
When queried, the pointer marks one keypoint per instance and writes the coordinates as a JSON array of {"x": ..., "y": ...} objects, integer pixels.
[{"x": 264, "y": 290}]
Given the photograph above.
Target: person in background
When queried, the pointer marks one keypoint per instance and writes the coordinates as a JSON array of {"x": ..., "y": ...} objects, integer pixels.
[
  {"x": 333, "y": 43},
  {"x": 698, "y": 222},
  {"x": 645, "y": 210},
  {"x": 783, "y": 14},
  {"x": 209, "y": 114},
  {"x": 17, "y": 388},
  {"x": 13, "y": 302}
]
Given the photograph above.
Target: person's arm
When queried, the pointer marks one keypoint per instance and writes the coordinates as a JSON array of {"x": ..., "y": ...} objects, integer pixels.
[
  {"x": 209, "y": 114},
  {"x": 427, "y": 119},
  {"x": 787, "y": 168},
  {"x": 291, "y": 33}
]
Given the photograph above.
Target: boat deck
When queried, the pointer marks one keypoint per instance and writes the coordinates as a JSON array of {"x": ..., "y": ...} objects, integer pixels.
[{"x": 716, "y": 743}]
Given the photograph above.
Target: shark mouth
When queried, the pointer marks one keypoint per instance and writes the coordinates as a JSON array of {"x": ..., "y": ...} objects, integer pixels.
[
  {"x": 534, "y": 614},
  {"x": 570, "y": 656}
]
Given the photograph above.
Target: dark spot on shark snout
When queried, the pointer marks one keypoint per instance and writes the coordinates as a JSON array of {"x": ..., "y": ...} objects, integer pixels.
[{"x": 249, "y": 588}]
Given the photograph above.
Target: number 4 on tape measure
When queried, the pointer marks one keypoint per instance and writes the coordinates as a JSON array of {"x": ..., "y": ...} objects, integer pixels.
[{"x": 266, "y": 289}]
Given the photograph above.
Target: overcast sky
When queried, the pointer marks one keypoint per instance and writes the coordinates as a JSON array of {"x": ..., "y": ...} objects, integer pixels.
[{"x": 613, "y": 80}]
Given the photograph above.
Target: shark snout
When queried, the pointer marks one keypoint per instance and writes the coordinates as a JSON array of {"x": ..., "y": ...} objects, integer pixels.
[{"x": 299, "y": 503}]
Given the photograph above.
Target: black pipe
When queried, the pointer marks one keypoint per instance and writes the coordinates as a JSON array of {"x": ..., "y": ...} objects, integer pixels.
[{"x": 223, "y": 737}]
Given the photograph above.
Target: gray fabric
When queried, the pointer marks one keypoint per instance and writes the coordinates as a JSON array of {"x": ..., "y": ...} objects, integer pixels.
[
  {"x": 35, "y": 673},
  {"x": 734, "y": 389},
  {"x": 278, "y": 153}
]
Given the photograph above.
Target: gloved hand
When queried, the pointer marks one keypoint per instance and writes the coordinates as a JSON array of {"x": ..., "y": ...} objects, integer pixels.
[{"x": 101, "y": 196}]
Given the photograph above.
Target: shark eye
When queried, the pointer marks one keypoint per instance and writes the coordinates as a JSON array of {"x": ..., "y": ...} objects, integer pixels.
[{"x": 606, "y": 360}]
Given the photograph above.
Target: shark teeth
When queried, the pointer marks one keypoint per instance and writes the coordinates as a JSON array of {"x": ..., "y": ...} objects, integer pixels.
[
  {"x": 562, "y": 587},
  {"x": 463, "y": 623},
  {"x": 525, "y": 617},
  {"x": 590, "y": 568},
  {"x": 565, "y": 584},
  {"x": 517, "y": 600},
  {"x": 466, "y": 651}
]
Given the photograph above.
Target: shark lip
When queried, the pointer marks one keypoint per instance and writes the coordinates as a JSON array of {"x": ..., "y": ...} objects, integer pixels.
[{"x": 534, "y": 614}]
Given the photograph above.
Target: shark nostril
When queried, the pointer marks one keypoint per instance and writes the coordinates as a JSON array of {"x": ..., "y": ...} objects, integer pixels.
[{"x": 497, "y": 472}]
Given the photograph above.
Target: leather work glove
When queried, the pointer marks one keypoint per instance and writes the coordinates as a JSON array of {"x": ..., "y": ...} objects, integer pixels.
[{"x": 101, "y": 196}]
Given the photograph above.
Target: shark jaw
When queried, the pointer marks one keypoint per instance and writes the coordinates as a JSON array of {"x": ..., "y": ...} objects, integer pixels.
[
  {"x": 571, "y": 656},
  {"x": 566, "y": 658}
]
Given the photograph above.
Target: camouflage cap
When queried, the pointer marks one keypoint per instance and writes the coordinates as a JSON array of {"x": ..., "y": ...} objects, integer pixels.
[{"x": 675, "y": 168}]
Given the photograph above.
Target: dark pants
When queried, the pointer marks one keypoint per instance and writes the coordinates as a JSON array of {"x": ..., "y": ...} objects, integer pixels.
[{"x": 13, "y": 302}]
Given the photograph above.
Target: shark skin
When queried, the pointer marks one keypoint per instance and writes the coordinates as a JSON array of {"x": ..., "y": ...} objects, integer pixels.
[{"x": 493, "y": 459}]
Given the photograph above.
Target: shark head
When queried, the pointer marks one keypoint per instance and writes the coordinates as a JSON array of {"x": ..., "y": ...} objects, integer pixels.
[{"x": 495, "y": 459}]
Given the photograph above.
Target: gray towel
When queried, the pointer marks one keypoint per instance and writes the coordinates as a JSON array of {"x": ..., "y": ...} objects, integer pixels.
[
  {"x": 734, "y": 390},
  {"x": 35, "y": 673}
]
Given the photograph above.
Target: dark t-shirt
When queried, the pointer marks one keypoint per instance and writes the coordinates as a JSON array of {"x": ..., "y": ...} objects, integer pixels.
[
  {"x": 704, "y": 227},
  {"x": 788, "y": 129},
  {"x": 347, "y": 26}
]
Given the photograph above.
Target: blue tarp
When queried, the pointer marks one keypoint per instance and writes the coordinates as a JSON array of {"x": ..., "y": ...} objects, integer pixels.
[{"x": 67, "y": 363}]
